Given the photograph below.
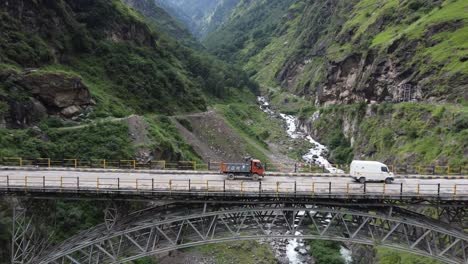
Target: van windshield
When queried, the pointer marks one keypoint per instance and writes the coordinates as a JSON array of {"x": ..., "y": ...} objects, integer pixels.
[{"x": 384, "y": 169}]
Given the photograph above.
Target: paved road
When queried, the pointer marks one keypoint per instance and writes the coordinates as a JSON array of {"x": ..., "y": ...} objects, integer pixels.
[{"x": 216, "y": 183}]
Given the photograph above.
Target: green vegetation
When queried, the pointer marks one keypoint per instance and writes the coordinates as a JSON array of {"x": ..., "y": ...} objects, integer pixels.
[
  {"x": 241, "y": 117},
  {"x": 242, "y": 121},
  {"x": 294, "y": 51},
  {"x": 290, "y": 104},
  {"x": 129, "y": 66},
  {"x": 248, "y": 252},
  {"x": 245, "y": 30},
  {"x": 390, "y": 256},
  {"x": 132, "y": 64},
  {"x": 326, "y": 252},
  {"x": 166, "y": 139},
  {"x": 98, "y": 141},
  {"x": 102, "y": 140},
  {"x": 145, "y": 71},
  {"x": 256, "y": 127},
  {"x": 402, "y": 133},
  {"x": 161, "y": 21},
  {"x": 70, "y": 218}
]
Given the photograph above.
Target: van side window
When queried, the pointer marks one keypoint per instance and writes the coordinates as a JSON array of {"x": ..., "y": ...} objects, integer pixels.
[{"x": 384, "y": 169}]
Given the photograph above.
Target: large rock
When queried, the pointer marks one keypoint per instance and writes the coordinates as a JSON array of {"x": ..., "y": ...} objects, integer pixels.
[
  {"x": 57, "y": 90},
  {"x": 25, "y": 113},
  {"x": 34, "y": 95}
]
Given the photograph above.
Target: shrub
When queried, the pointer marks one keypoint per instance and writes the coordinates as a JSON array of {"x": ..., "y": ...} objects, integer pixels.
[
  {"x": 185, "y": 123},
  {"x": 415, "y": 5},
  {"x": 460, "y": 123},
  {"x": 4, "y": 107},
  {"x": 387, "y": 138},
  {"x": 326, "y": 252}
]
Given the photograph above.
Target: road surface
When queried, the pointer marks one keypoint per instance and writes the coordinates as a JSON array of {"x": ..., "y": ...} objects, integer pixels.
[{"x": 138, "y": 181}]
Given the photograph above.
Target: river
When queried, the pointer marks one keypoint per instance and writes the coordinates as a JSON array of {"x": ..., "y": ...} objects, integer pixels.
[{"x": 315, "y": 155}]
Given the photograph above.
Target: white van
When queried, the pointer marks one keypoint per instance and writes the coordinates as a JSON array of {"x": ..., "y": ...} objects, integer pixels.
[{"x": 363, "y": 171}]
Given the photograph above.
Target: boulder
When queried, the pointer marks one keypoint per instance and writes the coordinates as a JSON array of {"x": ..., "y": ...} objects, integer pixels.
[
  {"x": 71, "y": 111},
  {"x": 57, "y": 90},
  {"x": 33, "y": 95}
]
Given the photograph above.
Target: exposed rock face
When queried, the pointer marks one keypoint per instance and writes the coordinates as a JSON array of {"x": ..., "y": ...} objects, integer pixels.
[
  {"x": 41, "y": 95},
  {"x": 57, "y": 90},
  {"x": 369, "y": 77},
  {"x": 25, "y": 113}
]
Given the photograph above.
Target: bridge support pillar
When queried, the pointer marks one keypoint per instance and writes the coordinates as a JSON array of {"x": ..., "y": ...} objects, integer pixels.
[{"x": 24, "y": 242}]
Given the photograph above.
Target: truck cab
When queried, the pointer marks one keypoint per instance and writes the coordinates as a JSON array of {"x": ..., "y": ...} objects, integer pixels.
[
  {"x": 257, "y": 168},
  {"x": 363, "y": 171},
  {"x": 253, "y": 168}
]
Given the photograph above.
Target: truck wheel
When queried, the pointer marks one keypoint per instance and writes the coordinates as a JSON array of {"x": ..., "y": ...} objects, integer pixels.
[
  {"x": 255, "y": 177},
  {"x": 388, "y": 181},
  {"x": 231, "y": 177},
  {"x": 362, "y": 180}
]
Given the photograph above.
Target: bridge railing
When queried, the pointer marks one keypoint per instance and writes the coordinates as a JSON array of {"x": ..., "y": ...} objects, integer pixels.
[
  {"x": 405, "y": 169},
  {"x": 55, "y": 184}
]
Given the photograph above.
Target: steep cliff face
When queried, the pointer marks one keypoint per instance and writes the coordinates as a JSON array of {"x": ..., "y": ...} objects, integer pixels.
[
  {"x": 350, "y": 51},
  {"x": 201, "y": 17}
]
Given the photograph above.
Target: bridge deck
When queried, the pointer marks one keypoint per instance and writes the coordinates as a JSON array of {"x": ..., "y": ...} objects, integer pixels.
[{"x": 214, "y": 185}]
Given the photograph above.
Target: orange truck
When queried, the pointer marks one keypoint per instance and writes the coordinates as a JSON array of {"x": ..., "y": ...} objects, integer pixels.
[{"x": 252, "y": 168}]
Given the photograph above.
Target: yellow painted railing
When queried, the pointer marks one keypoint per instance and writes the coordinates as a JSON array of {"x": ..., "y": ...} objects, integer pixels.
[
  {"x": 408, "y": 169},
  {"x": 274, "y": 188}
]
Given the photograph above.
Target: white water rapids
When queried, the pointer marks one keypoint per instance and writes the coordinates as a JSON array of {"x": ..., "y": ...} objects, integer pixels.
[{"x": 315, "y": 155}]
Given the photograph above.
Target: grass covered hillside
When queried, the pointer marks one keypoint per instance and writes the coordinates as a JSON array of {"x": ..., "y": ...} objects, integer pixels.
[
  {"x": 163, "y": 21},
  {"x": 406, "y": 133},
  {"x": 354, "y": 62},
  {"x": 69, "y": 63},
  {"x": 202, "y": 16},
  {"x": 127, "y": 66},
  {"x": 347, "y": 51}
]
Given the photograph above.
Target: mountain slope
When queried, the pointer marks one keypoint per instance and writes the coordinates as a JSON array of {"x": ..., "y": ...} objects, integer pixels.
[
  {"x": 201, "y": 17},
  {"x": 163, "y": 21},
  {"x": 348, "y": 51},
  {"x": 345, "y": 66},
  {"x": 68, "y": 63},
  {"x": 104, "y": 49}
]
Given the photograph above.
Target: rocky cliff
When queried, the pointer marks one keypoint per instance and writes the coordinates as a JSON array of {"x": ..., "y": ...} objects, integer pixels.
[{"x": 43, "y": 94}]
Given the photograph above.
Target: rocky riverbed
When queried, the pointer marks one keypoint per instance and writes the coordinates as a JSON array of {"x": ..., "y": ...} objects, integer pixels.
[{"x": 295, "y": 251}]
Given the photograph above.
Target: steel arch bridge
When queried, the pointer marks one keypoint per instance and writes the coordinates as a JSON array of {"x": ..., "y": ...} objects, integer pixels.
[{"x": 177, "y": 226}]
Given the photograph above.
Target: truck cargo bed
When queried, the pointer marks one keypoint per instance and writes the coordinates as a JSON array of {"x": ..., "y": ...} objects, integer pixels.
[{"x": 236, "y": 168}]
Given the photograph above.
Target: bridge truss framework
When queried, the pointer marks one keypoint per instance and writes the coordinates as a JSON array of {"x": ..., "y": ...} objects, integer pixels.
[{"x": 177, "y": 226}]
